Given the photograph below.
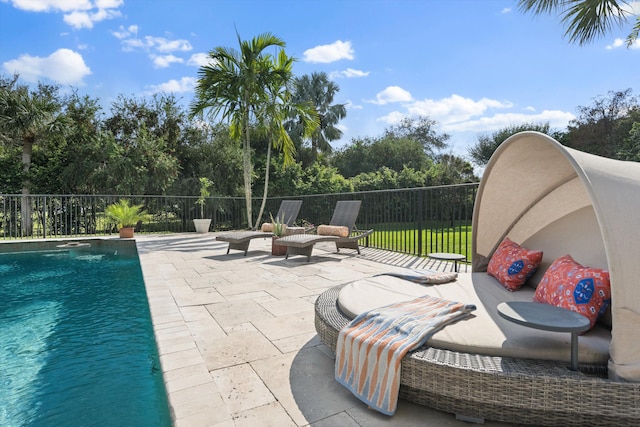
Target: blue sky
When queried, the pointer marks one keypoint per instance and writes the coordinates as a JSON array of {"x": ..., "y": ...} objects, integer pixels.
[{"x": 473, "y": 66}]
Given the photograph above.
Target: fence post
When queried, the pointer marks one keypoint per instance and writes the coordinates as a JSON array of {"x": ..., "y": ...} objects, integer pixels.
[
  {"x": 420, "y": 225},
  {"x": 44, "y": 217}
]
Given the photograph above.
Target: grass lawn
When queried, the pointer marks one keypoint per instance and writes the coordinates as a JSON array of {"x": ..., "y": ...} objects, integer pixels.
[{"x": 439, "y": 239}]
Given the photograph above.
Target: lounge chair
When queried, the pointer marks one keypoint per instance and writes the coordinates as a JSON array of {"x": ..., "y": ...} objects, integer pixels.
[
  {"x": 344, "y": 215},
  {"x": 239, "y": 240}
]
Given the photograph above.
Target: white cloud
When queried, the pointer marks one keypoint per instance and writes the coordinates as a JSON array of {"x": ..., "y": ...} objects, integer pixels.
[
  {"x": 329, "y": 52},
  {"x": 163, "y": 45},
  {"x": 623, "y": 43},
  {"x": 78, "y": 20},
  {"x": 185, "y": 84},
  {"x": 350, "y": 105},
  {"x": 63, "y": 66},
  {"x": 391, "y": 94},
  {"x": 506, "y": 10},
  {"x": 125, "y": 32},
  {"x": 159, "y": 49},
  {"x": 454, "y": 108},
  {"x": 77, "y": 13},
  {"x": 151, "y": 43},
  {"x": 198, "y": 59},
  {"x": 555, "y": 118},
  {"x": 51, "y": 5},
  {"x": 392, "y": 118},
  {"x": 457, "y": 114},
  {"x": 109, "y": 4},
  {"x": 163, "y": 61},
  {"x": 348, "y": 73}
]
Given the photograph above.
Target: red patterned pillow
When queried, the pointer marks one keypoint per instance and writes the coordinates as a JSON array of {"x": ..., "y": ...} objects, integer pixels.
[
  {"x": 569, "y": 285},
  {"x": 512, "y": 264}
]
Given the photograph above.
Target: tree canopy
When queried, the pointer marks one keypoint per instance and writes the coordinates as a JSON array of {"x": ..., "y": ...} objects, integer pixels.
[{"x": 318, "y": 91}]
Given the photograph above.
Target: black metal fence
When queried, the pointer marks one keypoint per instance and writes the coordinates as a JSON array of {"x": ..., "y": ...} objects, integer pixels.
[{"x": 414, "y": 221}]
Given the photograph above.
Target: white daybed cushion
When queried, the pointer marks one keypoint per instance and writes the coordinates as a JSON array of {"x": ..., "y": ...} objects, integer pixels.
[{"x": 485, "y": 332}]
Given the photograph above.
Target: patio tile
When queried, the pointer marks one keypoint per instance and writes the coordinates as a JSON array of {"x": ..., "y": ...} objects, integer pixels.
[
  {"x": 180, "y": 359},
  {"x": 211, "y": 417},
  {"x": 295, "y": 343},
  {"x": 342, "y": 419},
  {"x": 303, "y": 383},
  {"x": 269, "y": 415},
  {"x": 255, "y": 296},
  {"x": 287, "y": 306},
  {"x": 187, "y": 377},
  {"x": 241, "y": 388},
  {"x": 197, "y": 399},
  {"x": 286, "y": 326},
  {"x": 294, "y": 290},
  {"x": 244, "y": 286},
  {"x": 236, "y": 348},
  {"x": 181, "y": 345},
  {"x": 233, "y": 313}
]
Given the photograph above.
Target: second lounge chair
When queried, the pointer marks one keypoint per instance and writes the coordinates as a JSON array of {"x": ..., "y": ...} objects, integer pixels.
[
  {"x": 240, "y": 240},
  {"x": 341, "y": 230}
]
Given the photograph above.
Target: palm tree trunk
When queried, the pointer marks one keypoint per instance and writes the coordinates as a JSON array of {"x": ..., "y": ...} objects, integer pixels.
[
  {"x": 25, "y": 206},
  {"x": 246, "y": 163},
  {"x": 266, "y": 187}
]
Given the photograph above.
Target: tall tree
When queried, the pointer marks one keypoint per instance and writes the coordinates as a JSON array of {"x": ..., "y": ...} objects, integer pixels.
[
  {"x": 412, "y": 143},
  {"x": 140, "y": 144},
  {"x": 28, "y": 117},
  {"x": 487, "y": 144},
  {"x": 242, "y": 87},
  {"x": 602, "y": 127},
  {"x": 631, "y": 148},
  {"x": 208, "y": 151},
  {"x": 586, "y": 20},
  {"x": 317, "y": 90},
  {"x": 421, "y": 130},
  {"x": 83, "y": 149}
]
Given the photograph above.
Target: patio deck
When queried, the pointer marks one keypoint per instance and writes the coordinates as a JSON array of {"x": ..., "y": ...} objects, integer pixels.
[{"x": 236, "y": 334}]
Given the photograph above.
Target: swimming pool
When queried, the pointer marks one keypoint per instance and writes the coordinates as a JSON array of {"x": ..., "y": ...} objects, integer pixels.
[{"x": 76, "y": 340}]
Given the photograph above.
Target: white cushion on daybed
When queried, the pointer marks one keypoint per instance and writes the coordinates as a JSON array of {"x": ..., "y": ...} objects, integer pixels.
[{"x": 485, "y": 332}]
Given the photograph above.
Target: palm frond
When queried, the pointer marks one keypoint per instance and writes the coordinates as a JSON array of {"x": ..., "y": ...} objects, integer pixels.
[
  {"x": 635, "y": 34},
  {"x": 587, "y": 20}
]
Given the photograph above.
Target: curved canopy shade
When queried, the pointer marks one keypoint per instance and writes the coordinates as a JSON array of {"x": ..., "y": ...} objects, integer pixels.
[{"x": 563, "y": 201}]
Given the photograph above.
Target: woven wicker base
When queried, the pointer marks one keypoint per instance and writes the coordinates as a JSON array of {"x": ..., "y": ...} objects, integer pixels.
[{"x": 520, "y": 391}]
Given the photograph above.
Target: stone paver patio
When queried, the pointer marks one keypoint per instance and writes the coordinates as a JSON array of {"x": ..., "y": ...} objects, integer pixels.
[{"x": 236, "y": 334}]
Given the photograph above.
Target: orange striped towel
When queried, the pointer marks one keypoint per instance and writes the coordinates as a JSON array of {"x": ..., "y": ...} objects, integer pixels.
[{"x": 371, "y": 347}]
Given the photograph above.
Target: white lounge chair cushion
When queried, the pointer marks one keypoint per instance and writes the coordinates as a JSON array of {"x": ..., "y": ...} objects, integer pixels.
[{"x": 485, "y": 332}]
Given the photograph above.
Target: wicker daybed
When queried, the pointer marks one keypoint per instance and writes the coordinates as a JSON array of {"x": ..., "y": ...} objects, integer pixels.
[{"x": 574, "y": 203}]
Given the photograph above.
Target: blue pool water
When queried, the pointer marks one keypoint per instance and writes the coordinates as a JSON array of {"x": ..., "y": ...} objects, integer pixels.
[{"x": 76, "y": 341}]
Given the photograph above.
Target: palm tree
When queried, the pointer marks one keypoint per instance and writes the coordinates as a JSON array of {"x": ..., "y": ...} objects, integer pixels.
[
  {"x": 319, "y": 91},
  {"x": 275, "y": 112},
  {"x": 234, "y": 85},
  {"x": 26, "y": 118},
  {"x": 586, "y": 19}
]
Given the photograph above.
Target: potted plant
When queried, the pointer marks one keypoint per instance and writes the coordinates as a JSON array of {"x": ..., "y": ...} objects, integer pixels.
[
  {"x": 202, "y": 224},
  {"x": 279, "y": 230},
  {"x": 126, "y": 216}
]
